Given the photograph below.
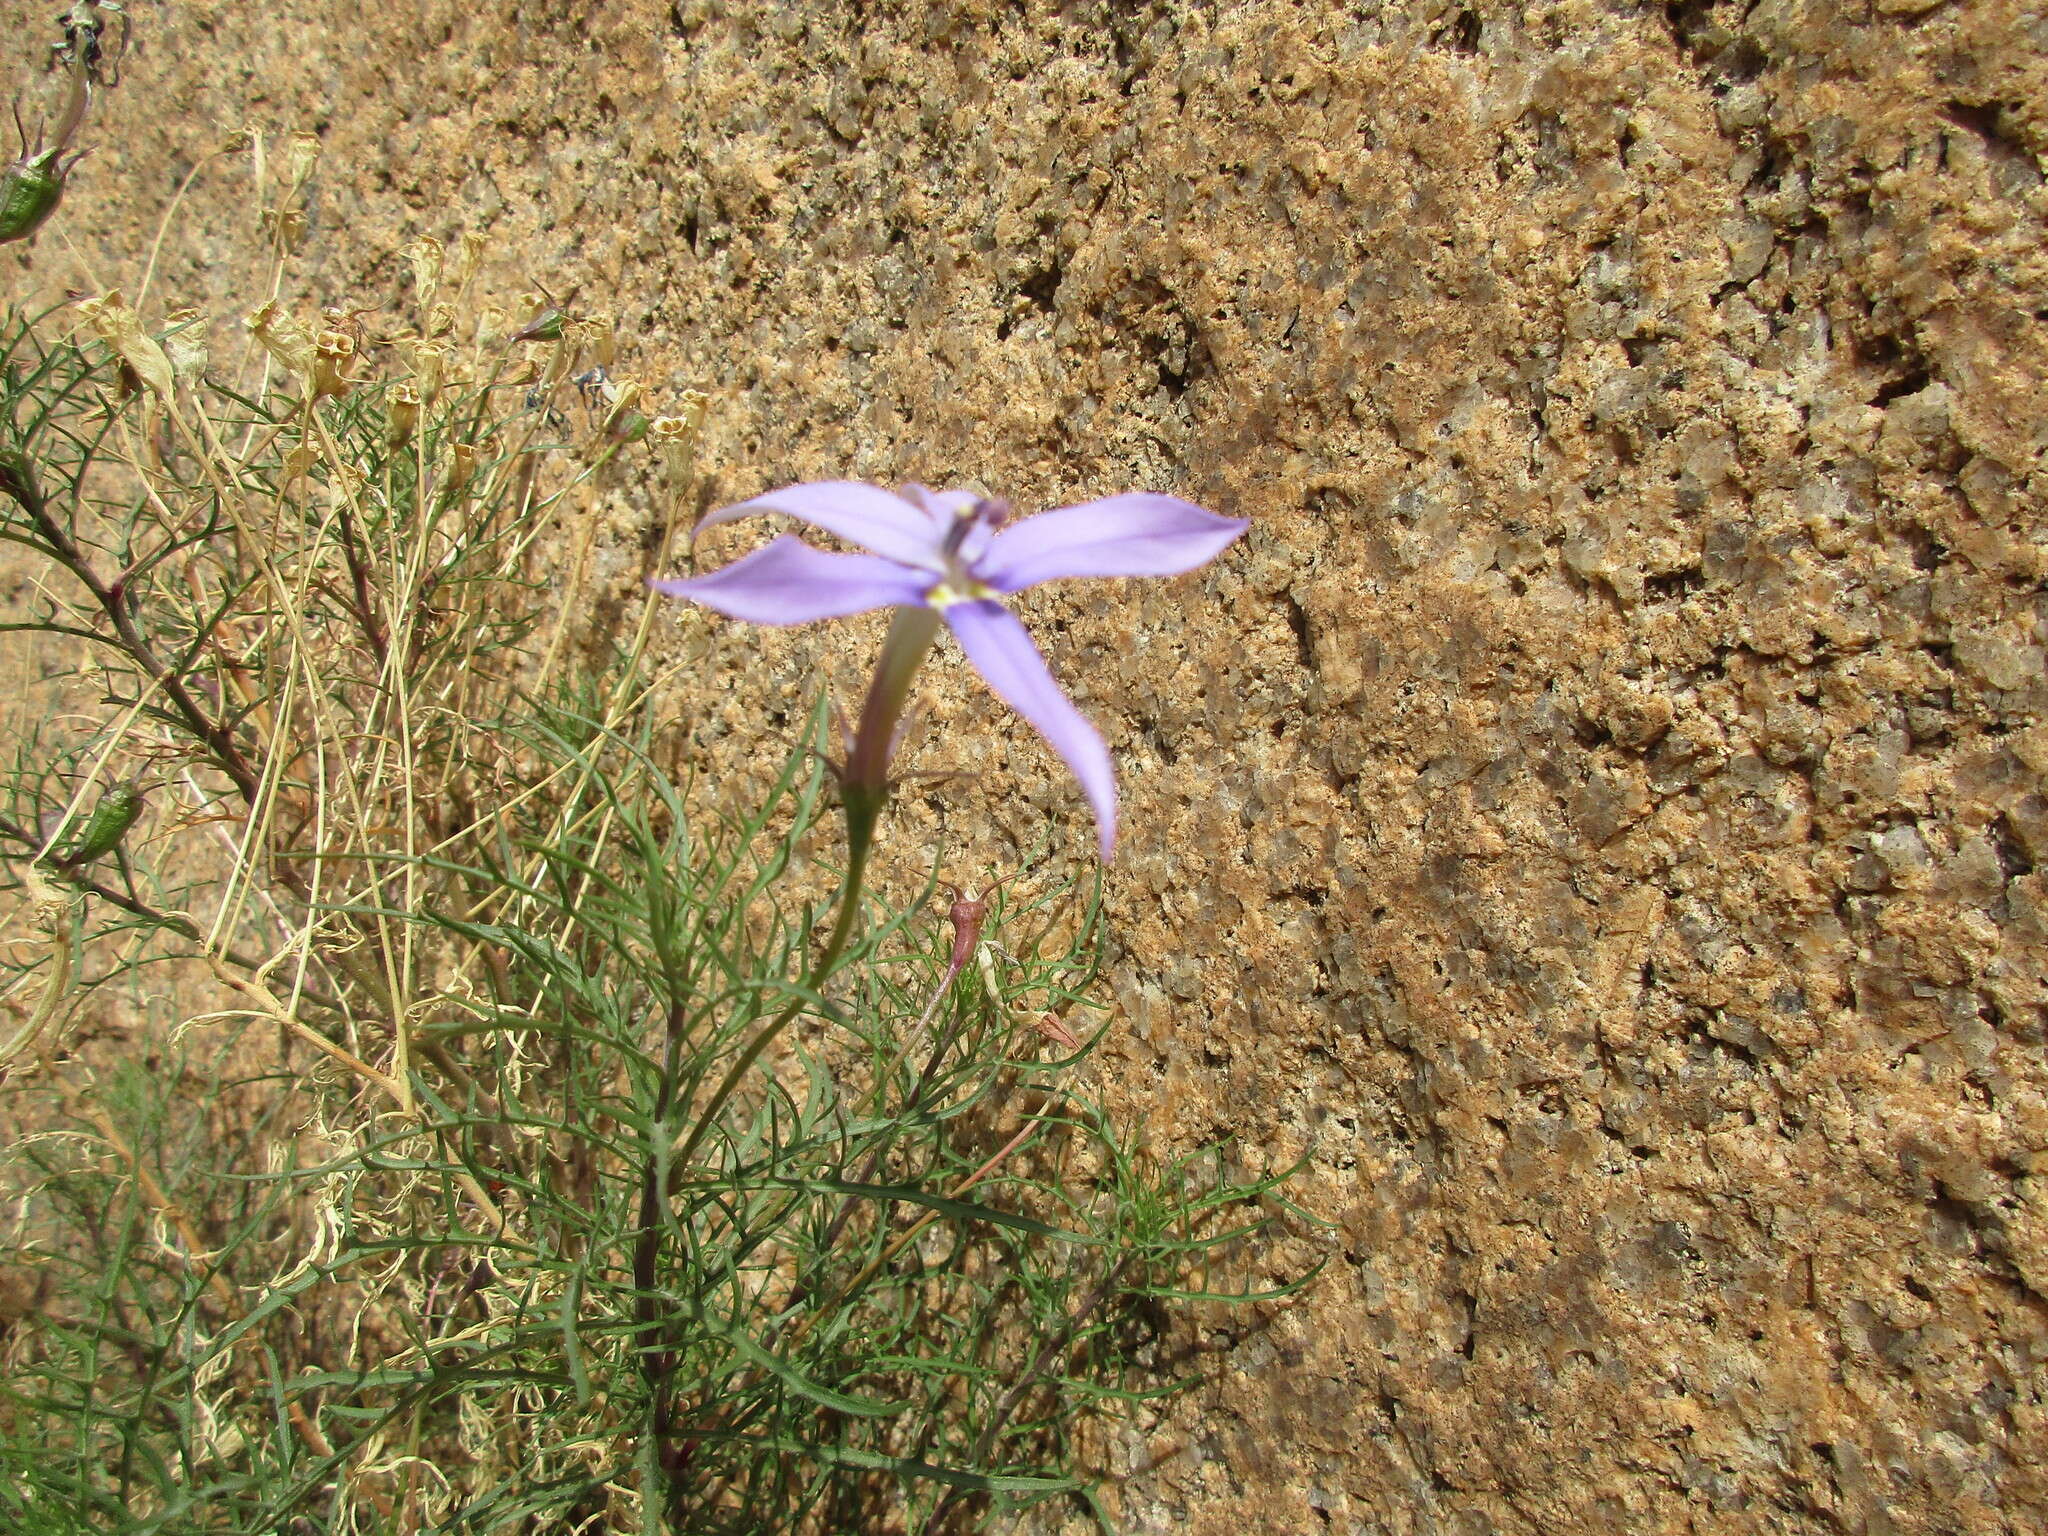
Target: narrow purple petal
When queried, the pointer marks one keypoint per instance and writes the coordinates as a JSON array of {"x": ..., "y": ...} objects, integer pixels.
[
  {"x": 791, "y": 583},
  {"x": 1002, "y": 652},
  {"x": 866, "y": 515},
  {"x": 1136, "y": 534}
]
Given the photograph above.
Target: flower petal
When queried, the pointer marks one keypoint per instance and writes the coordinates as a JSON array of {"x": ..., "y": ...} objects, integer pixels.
[
  {"x": 789, "y": 582},
  {"x": 1002, "y": 652},
  {"x": 941, "y": 506},
  {"x": 865, "y": 514},
  {"x": 1136, "y": 534}
]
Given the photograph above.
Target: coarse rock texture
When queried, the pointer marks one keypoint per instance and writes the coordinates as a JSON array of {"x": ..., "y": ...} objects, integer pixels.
[{"x": 1595, "y": 813}]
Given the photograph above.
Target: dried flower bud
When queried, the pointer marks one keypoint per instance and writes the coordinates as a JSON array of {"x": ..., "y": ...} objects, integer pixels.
[
  {"x": 403, "y": 409},
  {"x": 345, "y": 483},
  {"x": 333, "y": 352},
  {"x": 301, "y": 159},
  {"x": 425, "y": 256},
  {"x": 470, "y": 258},
  {"x": 1054, "y": 1029},
  {"x": 596, "y": 339},
  {"x": 676, "y": 438},
  {"x": 429, "y": 361},
  {"x": 121, "y": 328},
  {"x": 461, "y": 467},
  {"x": 285, "y": 340},
  {"x": 286, "y": 226},
  {"x": 185, "y": 342},
  {"x": 235, "y": 139},
  {"x": 620, "y": 401}
]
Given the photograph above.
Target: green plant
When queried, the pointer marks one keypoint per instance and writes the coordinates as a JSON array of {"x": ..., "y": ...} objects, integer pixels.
[{"x": 437, "y": 1107}]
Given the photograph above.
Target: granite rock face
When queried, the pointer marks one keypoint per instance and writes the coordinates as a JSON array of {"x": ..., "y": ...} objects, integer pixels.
[{"x": 1597, "y": 812}]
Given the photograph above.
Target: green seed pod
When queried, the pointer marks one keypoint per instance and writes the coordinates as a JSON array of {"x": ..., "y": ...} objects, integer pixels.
[
  {"x": 30, "y": 192},
  {"x": 104, "y": 829},
  {"x": 546, "y": 326}
]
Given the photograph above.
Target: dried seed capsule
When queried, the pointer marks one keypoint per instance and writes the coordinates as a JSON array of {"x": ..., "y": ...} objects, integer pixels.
[
  {"x": 104, "y": 829},
  {"x": 29, "y": 193},
  {"x": 333, "y": 351},
  {"x": 461, "y": 467},
  {"x": 403, "y": 414},
  {"x": 425, "y": 256},
  {"x": 115, "y": 323},
  {"x": 285, "y": 340},
  {"x": 301, "y": 159}
]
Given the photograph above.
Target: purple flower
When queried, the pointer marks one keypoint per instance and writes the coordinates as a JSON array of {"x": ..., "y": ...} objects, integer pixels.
[{"x": 950, "y": 554}]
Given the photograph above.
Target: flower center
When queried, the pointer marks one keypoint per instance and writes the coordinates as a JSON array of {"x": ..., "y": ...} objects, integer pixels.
[{"x": 960, "y": 584}]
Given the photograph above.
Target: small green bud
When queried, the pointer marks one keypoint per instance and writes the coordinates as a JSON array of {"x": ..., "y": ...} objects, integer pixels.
[{"x": 104, "y": 829}]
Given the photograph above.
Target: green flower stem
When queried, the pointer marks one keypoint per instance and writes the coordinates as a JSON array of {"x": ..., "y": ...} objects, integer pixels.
[
  {"x": 911, "y": 632},
  {"x": 860, "y": 834},
  {"x": 864, "y": 790},
  {"x": 864, "y": 787}
]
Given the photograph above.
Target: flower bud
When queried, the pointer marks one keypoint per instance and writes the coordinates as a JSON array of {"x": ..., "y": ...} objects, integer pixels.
[
  {"x": 111, "y": 818},
  {"x": 619, "y": 398},
  {"x": 545, "y": 326},
  {"x": 30, "y": 190}
]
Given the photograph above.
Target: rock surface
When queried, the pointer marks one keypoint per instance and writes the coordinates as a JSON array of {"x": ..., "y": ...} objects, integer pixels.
[{"x": 1597, "y": 812}]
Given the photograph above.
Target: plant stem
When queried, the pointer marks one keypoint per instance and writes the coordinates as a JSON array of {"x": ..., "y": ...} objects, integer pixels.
[
  {"x": 17, "y": 480},
  {"x": 864, "y": 788},
  {"x": 864, "y": 791},
  {"x": 859, "y": 839}
]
